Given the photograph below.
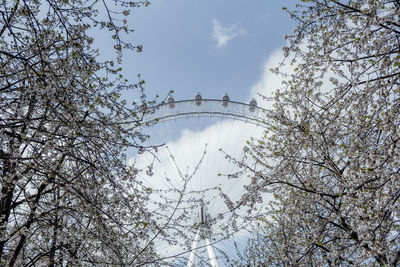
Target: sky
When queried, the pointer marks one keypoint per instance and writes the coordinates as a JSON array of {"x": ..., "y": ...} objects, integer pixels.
[
  {"x": 211, "y": 47},
  {"x": 208, "y": 46}
]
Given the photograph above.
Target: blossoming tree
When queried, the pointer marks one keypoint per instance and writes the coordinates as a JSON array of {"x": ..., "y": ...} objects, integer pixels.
[
  {"x": 67, "y": 197},
  {"x": 331, "y": 156}
]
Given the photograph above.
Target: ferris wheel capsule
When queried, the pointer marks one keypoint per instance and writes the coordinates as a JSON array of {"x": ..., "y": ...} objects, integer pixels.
[
  {"x": 170, "y": 101},
  {"x": 198, "y": 99},
  {"x": 225, "y": 100},
  {"x": 253, "y": 105}
]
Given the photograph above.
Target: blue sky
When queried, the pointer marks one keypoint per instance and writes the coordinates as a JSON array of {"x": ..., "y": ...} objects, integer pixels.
[{"x": 208, "y": 46}]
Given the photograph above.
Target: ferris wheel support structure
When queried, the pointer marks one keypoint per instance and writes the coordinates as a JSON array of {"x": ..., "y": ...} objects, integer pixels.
[{"x": 203, "y": 232}]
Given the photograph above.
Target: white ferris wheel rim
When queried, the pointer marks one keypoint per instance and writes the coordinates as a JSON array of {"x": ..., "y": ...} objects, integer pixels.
[{"x": 223, "y": 108}]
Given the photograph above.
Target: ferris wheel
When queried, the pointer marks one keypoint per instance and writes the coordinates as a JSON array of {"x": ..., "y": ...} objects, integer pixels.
[{"x": 211, "y": 200}]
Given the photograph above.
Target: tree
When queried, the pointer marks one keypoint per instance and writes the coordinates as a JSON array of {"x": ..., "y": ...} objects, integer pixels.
[
  {"x": 67, "y": 197},
  {"x": 331, "y": 155}
]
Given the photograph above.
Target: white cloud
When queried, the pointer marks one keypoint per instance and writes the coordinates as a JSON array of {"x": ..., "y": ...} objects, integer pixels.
[
  {"x": 225, "y": 34},
  {"x": 268, "y": 82}
]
